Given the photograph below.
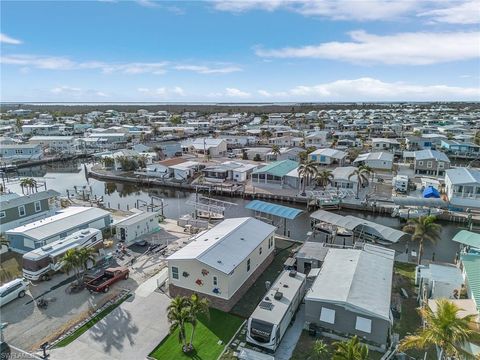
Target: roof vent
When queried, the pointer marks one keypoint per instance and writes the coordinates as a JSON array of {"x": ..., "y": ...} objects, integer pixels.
[
  {"x": 285, "y": 285},
  {"x": 292, "y": 273},
  {"x": 219, "y": 261},
  {"x": 266, "y": 305},
  {"x": 242, "y": 238},
  {"x": 278, "y": 295}
]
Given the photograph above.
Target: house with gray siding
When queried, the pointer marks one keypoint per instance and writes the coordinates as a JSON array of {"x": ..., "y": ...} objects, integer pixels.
[
  {"x": 39, "y": 233},
  {"x": 16, "y": 210},
  {"x": 430, "y": 162},
  {"x": 351, "y": 294}
]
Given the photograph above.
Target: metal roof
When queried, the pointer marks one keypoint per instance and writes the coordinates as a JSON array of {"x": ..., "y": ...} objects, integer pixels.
[
  {"x": 360, "y": 280},
  {"x": 468, "y": 238},
  {"x": 459, "y": 176},
  {"x": 66, "y": 220},
  {"x": 273, "y": 209},
  {"x": 360, "y": 225},
  {"x": 278, "y": 168},
  {"x": 431, "y": 154},
  {"x": 227, "y": 244},
  {"x": 471, "y": 266}
]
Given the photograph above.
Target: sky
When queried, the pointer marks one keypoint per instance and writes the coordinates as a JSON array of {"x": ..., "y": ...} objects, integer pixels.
[{"x": 240, "y": 51}]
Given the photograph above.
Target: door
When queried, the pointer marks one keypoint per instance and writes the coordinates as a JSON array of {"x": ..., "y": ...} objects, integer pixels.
[{"x": 123, "y": 235}]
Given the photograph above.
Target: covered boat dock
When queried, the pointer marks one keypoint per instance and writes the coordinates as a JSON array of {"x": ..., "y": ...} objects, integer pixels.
[
  {"x": 268, "y": 211},
  {"x": 362, "y": 229}
]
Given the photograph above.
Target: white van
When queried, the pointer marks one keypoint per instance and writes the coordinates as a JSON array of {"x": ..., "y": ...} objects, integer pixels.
[{"x": 12, "y": 290}]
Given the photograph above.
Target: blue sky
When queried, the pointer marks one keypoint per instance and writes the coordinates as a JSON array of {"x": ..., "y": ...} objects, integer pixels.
[{"x": 229, "y": 51}]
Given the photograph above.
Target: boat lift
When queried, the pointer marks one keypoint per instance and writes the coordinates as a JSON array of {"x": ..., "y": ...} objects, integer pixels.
[{"x": 210, "y": 208}]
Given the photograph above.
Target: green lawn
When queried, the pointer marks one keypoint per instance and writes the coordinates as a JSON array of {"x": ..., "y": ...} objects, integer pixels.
[
  {"x": 220, "y": 326},
  {"x": 245, "y": 306},
  {"x": 89, "y": 324}
]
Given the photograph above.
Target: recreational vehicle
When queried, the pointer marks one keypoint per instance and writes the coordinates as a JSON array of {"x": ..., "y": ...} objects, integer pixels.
[
  {"x": 271, "y": 318},
  {"x": 41, "y": 263}
]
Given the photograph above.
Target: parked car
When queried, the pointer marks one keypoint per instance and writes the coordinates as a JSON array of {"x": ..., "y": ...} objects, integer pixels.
[
  {"x": 109, "y": 277},
  {"x": 13, "y": 290}
]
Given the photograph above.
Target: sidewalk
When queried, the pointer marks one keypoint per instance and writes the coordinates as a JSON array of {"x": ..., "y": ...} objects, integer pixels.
[{"x": 290, "y": 339}]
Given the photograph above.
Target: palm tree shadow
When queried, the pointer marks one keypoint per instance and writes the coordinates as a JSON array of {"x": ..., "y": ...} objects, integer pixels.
[{"x": 114, "y": 329}]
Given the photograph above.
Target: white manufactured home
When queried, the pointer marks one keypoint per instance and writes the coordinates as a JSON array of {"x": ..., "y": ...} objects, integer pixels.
[
  {"x": 136, "y": 226},
  {"x": 223, "y": 262}
]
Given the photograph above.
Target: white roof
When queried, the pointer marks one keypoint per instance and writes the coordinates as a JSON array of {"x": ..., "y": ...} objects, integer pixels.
[
  {"x": 360, "y": 280},
  {"x": 431, "y": 154},
  {"x": 184, "y": 165},
  {"x": 67, "y": 219},
  {"x": 463, "y": 175},
  {"x": 201, "y": 143},
  {"x": 52, "y": 138},
  {"x": 343, "y": 172},
  {"x": 384, "y": 156},
  {"x": 227, "y": 244},
  {"x": 385, "y": 140},
  {"x": 136, "y": 218},
  {"x": 337, "y": 154},
  {"x": 289, "y": 287}
]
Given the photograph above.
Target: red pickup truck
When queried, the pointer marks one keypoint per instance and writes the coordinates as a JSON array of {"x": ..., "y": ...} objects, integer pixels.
[{"x": 110, "y": 276}]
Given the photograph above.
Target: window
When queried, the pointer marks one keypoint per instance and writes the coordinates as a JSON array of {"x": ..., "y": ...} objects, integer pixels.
[
  {"x": 270, "y": 242},
  {"x": 38, "y": 206},
  {"x": 260, "y": 250},
  {"x": 363, "y": 324},
  {"x": 248, "y": 265},
  {"x": 327, "y": 315},
  {"x": 175, "y": 272},
  {"x": 420, "y": 163},
  {"x": 2, "y": 214},
  {"x": 21, "y": 210},
  {"x": 215, "y": 281},
  {"x": 429, "y": 164}
]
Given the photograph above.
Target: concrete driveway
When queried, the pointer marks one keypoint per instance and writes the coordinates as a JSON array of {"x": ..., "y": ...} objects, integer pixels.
[{"x": 131, "y": 331}]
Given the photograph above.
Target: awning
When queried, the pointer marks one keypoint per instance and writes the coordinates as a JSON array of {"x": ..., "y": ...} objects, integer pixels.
[
  {"x": 468, "y": 238},
  {"x": 414, "y": 201},
  {"x": 359, "y": 225},
  {"x": 273, "y": 209}
]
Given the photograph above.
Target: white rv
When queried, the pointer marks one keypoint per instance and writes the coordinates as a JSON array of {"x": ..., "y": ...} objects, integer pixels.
[
  {"x": 41, "y": 263},
  {"x": 270, "y": 320}
]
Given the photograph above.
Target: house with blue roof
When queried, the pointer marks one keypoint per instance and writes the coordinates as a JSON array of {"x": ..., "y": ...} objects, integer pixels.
[
  {"x": 273, "y": 174},
  {"x": 460, "y": 148}
]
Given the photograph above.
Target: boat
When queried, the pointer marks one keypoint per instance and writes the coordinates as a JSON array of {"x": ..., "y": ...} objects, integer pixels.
[
  {"x": 210, "y": 215},
  {"x": 415, "y": 212}
]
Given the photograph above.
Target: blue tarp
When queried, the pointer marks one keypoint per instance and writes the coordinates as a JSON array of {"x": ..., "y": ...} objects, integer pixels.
[
  {"x": 431, "y": 192},
  {"x": 273, "y": 209}
]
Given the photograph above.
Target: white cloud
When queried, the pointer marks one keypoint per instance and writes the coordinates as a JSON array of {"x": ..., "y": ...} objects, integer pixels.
[
  {"x": 208, "y": 70},
  {"x": 147, "y": 3},
  {"x": 162, "y": 92},
  {"x": 5, "y": 39},
  {"x": 370, "y": 89},
  {"x": 233, "y": 92},
  {"x": 63, "y": 63},
  {"x": 459, "y": 13},
  {"x": 65, "y": 90},
  {"x": 264, "y": 93},
  {"x": 361, "y": 10},
  {"x": 403, "y": 48}
]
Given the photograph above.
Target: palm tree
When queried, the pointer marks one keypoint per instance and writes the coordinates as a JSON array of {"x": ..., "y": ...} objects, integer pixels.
[
  {"x": 276, "y": 150},
  {"x": 320, "y": 350},
  {"x": 350, "y": 350},
  {"x": 197, "y": 306},
  {"x": 71, "y": 263},
  {"x": 178, "y": 314},
  {"x": 443, "y": 328},
  {"x": 362, "y": 174},
  {"x": 476, "y": 139},
  {"x": 324, "y": 177},
  {"x": 423, "y": 228},
  {"x": 108, "y": 162},
  {"x": 142, "y": 161},
  {"x": 85, "y": 255},
  {"x": 307, "y": 170},
  {"x": 29, "y": 184}
]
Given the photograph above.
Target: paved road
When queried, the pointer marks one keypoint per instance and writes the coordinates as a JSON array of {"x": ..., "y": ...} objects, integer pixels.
[{"x": 131, "y": 331}]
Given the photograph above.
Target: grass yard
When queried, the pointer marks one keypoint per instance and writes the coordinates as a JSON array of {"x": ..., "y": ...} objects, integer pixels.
[
  {"x": 221, "y": 326},
  {"x": 89, "y": 324},
  {"x": 245, "y": 306}
]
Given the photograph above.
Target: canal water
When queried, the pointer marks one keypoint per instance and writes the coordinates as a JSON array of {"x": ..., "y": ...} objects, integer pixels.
[{"x": 66, "y": 176}]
